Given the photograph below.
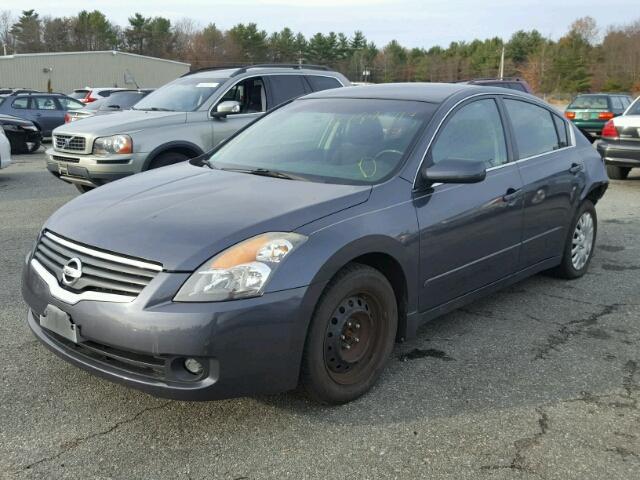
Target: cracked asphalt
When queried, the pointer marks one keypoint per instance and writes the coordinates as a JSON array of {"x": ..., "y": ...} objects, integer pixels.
[{"x": 540, "y": 381}]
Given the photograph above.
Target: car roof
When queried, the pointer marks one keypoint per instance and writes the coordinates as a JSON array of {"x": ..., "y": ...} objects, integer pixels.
[
  {"x": 253, "y": 69},
  {"x": 422, "y": 92}
]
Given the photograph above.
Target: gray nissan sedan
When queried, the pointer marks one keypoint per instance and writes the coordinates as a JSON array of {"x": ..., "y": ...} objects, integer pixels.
[{"x": 299, "y": 250}]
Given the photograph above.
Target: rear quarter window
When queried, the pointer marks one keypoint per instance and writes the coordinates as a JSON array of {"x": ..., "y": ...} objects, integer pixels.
[{"x": 323, "y": 83}]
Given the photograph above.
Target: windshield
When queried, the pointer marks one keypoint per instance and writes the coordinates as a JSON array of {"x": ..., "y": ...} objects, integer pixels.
[
  {"x": 182, "y": 95},
  {"x": 121, "y": 100},
  {"x": 590, "y": 101},
  {"x": 354, "y": 141}
]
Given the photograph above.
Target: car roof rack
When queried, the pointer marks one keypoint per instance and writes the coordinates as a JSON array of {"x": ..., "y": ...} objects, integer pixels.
[
  {"x": 244, "y": 68},
  {"x": 296, "y": 66}
]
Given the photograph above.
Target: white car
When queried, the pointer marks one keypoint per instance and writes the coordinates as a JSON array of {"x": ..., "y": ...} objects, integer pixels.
[{"x": 5, "y": 150}]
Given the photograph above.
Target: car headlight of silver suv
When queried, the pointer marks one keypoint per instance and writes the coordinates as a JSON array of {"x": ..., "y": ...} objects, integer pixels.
[
  {"x": 241, "y": 271},
  {"x": 112, "y": 144}
]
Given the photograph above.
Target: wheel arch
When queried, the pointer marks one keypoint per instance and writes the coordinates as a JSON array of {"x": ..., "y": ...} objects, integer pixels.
[{"x": 186, "y": 148}]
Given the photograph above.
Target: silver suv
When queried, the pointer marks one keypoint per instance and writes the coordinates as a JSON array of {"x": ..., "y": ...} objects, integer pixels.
[{"x": 181, "y": 120}]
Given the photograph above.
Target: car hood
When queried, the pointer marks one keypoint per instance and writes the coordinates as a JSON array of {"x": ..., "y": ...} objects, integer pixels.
[
  {"x": 127, "y": 122},
  {"x": 183, "y": 214}
]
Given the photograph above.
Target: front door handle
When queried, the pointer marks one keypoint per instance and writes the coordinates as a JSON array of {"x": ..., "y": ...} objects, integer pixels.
[
  {"x": 511, "y": 195},
  {"x": 575, "y": 168}
]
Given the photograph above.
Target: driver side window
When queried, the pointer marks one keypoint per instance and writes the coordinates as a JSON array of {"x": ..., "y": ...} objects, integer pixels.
[
  {"x": 250, "y": 94},
  {"x": 473, "y": 133}
]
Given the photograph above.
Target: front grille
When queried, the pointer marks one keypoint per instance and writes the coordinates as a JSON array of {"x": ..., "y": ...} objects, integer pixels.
[
  {"x": 141, "y": 364},
  {"x": 69, "y": 143},
  {"x": 100, "y": 271}
]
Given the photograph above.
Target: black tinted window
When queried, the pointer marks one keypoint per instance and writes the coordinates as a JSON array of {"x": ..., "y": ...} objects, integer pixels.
[
  {"x": 286, "y": 87},
  {"x": 517, "y": 86},
  {"x": 323, "y": 83},
  {"x": 533, "y": 128},
  {"x": 616, "y": 102},
  {"x": 473, "y": 133}
]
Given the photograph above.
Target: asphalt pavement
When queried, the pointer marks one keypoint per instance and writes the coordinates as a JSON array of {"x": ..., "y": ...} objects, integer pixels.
[{"x": 540, "y": 381}]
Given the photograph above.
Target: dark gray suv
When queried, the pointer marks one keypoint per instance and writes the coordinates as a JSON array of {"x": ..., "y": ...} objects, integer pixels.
[
  {"x": 180, "y": 120},
  {"x": 301, "y": 248}
]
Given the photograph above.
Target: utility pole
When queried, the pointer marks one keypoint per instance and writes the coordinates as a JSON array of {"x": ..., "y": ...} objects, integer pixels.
[
  {"x": 502, "y": 64},
  {"x": 300, "y": 57}
]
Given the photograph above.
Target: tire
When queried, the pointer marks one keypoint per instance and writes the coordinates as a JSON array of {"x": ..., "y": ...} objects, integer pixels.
[
  {"x": 570, "y": 267},
  {"x": 351, "y": 336},
  {"x": 617, "y": 173},
  {"x": 83, "y": 188},
  {"x": 167, "y": 158}
]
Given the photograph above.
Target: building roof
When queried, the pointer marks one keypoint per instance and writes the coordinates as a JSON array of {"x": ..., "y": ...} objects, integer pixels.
[{"x": 90, "y": 52}]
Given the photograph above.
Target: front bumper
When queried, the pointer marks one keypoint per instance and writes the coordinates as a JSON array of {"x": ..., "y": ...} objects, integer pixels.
[
  {"x": 247, "y": 346},
  {"x": 93, "y": 170},
  {"x": 619, "y": 155}
]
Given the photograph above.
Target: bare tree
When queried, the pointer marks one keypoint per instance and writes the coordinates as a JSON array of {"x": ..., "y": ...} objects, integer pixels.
[{"x": 6, "y": 39}]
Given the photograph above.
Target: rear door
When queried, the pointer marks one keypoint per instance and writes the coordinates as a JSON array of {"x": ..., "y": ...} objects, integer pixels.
[
  {"x": 552, "y": 175},
  {"x": 469, "y": 234},
  {"x": 47, "y": 113}
]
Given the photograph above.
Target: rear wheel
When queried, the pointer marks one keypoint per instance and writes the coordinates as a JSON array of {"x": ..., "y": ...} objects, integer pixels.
[
  {"x": 617, "y": 173},
  {"x": 167, "y": 158},
  {"x": 580, "y": 243},
  {"x": 351, "y": 336},
  {"x": 30, "y": 147}
]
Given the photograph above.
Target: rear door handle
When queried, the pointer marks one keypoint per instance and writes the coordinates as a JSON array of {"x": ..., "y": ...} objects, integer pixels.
[
  {"x": 575, "y": 168},
  {"x": 511, "y": 195}
]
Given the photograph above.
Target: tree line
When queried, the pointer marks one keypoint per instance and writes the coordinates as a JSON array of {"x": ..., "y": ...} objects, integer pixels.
[{"x": 586, "y": 58}]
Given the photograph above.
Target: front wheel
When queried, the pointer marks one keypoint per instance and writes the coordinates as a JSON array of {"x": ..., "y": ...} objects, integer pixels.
[
  {"x": 580, "y": 243},
  {"x": 83, "y": 188},
  {"x": 617, "y": 173},
  {"x": 167, "y": 158},
  {"x": 351, "y": 336}
]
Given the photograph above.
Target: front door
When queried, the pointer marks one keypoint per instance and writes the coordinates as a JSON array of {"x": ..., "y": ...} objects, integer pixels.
[
  {"x": 469, "y": 234},
  {"x": 251, "y": 94}
]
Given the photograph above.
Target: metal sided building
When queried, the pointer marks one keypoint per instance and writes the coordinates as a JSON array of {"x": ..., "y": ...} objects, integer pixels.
[{"x": 65, "y": 71}]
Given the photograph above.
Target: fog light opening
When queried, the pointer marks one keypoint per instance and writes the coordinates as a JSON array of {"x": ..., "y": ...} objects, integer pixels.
[{"x": 193, "y": 366}]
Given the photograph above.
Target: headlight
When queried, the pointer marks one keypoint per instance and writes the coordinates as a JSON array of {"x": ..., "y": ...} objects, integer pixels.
[
  {"x": 241, "y": 271},
  {"x": 113, "y": 144}
]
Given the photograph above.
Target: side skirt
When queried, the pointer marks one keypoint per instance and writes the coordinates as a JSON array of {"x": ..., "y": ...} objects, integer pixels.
[{"x": 416, "y": 319}]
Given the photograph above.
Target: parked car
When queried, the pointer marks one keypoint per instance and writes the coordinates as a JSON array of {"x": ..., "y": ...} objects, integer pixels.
[
  {"x": 45, "y": 110},
  {"x": 512, "y": 83},
  {"x": 590, "y": 112},
  {"x": 620, "y": 143},
  {"x": 5, "y": 150},
  {"x": 91, "y": 94},
  {"x": 12, "y": 90},
  {"x": 302, "y": 247},
  {"x": 23, "y": 135},
  {"x": 116, "y": 102},
  {"x": 180, "y": 120}
]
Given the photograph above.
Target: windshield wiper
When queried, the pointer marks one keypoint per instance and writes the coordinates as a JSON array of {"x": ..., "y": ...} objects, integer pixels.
[
  {"x": 154, "y": 109},
  {"x": 264, "y": 172}
]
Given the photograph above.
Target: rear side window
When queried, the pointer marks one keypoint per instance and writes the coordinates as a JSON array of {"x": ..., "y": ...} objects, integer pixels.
[
  {"x": 286, "y": 87},
  {"x": 517, "y": 86},
  {"x": 322, "y": 83},
  {"x": 473, "y": 133},
  {"x": 20, "y": 103},
  {"x": 44, "y": 103},
  {"x": 533, "y": 127},
  {"x": 70, "y": 104}
]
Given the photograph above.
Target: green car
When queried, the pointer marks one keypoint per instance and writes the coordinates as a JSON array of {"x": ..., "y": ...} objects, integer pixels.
[{"x": 589, "y": 112}]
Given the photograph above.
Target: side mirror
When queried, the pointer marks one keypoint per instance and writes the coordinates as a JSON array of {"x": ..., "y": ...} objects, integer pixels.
[
  {"x": 225, "y": 108},
  {"x": 453, "y": 170}
]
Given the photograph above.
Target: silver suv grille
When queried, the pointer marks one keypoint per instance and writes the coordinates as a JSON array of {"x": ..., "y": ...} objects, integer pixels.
[
  {"x": 69, "y": 143},
  {"x": 100, "y": 271}
]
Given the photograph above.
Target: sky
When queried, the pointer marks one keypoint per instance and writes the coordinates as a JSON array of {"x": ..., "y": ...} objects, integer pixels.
[{"x": 413, "y": 23}]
